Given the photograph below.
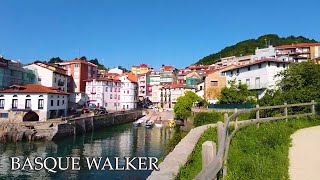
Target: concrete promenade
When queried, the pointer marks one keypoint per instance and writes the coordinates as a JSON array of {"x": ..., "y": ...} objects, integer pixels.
[
  {"x": 304, "y": 155},
  {"x": 169, "y": 168}
]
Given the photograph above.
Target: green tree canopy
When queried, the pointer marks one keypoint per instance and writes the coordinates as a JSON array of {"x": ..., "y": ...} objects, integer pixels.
[
  {"x": 236, "y": 94},
  {"x": 300, "y": 83},
  {"x": 182, "y": 108},
  {"x": 55, "y": 60}
]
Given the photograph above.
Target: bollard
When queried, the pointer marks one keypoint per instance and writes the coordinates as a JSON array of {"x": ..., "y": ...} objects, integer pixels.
[{"x": 208, "y": 153}]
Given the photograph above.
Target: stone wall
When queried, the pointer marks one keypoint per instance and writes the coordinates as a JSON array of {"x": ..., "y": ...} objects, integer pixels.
[{"x": 86, "y": 124}]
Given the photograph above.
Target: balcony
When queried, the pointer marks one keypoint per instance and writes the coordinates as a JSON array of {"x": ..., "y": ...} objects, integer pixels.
[
  {"x": 258, "y": 86},
  {"x": 20, "y": 107},
  {"x": 61, "y": 83}
]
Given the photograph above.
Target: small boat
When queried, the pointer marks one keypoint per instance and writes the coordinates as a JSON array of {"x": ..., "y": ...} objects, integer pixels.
[
  {"x": 149, "y": 123},
  {"x": 140, "y": 121}
]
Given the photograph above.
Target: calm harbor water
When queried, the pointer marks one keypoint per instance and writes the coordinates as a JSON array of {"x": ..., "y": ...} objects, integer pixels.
[{"x": 122, "y": 141}]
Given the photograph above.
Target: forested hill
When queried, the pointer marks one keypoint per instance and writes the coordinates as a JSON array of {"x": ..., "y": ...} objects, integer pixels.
[{"x": 248, "y": 47}]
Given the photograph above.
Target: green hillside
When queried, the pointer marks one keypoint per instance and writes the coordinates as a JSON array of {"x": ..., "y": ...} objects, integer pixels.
[{"x": 248, "y": 47}]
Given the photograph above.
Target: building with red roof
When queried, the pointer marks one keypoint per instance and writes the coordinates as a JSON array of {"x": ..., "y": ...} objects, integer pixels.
[
  {"x": 49, "y": 74},
  {"x": 169, "y": 94},
  {"x": 141, "y": 69},
  {"x": 78, "y": 70},
  {"x": 32, "y": 102},
  {"x": 300, "y": 52}
]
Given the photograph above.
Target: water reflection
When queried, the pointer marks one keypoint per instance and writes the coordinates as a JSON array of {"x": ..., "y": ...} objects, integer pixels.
[{"x": 122, "y": 141}]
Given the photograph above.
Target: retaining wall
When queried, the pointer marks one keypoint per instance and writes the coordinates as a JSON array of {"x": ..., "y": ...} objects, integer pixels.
[{"x": 82, "y": 125}]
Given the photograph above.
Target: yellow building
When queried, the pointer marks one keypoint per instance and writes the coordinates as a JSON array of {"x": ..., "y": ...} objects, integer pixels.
[
  {"x": 142, "y": 69},
  {"x": 214, "y": 83}
]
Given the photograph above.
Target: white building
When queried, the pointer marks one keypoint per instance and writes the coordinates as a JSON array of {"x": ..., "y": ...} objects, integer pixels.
[
  {"x": 104, "y": 92},
  {"x": 49, "y": 75},
  {"x": 129, "y": 91},
  {"x": 156, "y": 94},
  {"x": 32, "y": 102},
  {"x": 116, "y": 71},
  {"x": 170, "y": 93},
  {"x": 200, "y": 89},
  {"x": 258, "y": 75},
  {"x": 142, "y": 86},
  {"x": 265, "y": 53}
]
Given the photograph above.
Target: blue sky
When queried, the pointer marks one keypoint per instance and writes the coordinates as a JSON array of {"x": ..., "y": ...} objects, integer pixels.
[{"x": 118, "y": 32}]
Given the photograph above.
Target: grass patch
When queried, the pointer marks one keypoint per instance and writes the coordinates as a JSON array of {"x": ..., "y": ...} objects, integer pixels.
[
  {"x": 194, "y": 165},
  {"x": 254, "y": 153}
]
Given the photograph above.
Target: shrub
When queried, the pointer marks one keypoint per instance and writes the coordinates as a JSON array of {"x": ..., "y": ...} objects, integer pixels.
[{"x": 203, "y": 118}]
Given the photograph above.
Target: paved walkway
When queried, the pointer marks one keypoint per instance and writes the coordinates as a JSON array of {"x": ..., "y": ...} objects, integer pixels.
[
  {"x": 304, "y": 155},
  {"x": 170, "y": 166}
]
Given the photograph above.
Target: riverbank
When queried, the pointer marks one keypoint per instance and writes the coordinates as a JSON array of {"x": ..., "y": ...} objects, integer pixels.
[{"x": 52, "y": 130}]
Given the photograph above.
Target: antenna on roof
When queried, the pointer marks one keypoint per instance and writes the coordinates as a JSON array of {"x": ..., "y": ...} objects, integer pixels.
[{"x": 79, "y": 53}]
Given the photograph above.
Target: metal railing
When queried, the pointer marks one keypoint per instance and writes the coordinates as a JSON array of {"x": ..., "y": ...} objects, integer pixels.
[{"x": 219, "y": 161}]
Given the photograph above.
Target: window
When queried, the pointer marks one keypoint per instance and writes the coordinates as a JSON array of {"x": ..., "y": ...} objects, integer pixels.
[
  {"x": 259, "y": 66},
  {"x": 127, "y": 91},
  {"x": 284, "y": 65},
  {"x": 115, "y": 89},
  {"x": 1, "y": 103},
  {"x": 111, "y": 89},
  {"x": 40, "y": 103},
  {"x": 4, "y": 115},
  {"x": 278, "y": 64},
  {"x": 76, "y": 65},
  {"x": 257, "y": 82},
  {"x": 115, "y": 96},
  {"x": 51, "y": 102},
  {"x": 214, "y": 83},
  {"x": 118, "y": 104},
  {"x": 110, "y": 96},
  {"x": 231, "y": 73},
  {"x": 200, "y": 88},
  {"x": 118, "y": 97},
  {"x": 248, "y": 83},
  {"x": 106, "y": 89},
  {"x": 249, "y": 68},
  {"x": 269, "y": 63},
  {"x": 58, "y": 102},
  {"x": 119, "y": 90},
  {"x": 55, "y": 80},
  {"x": 106, "y": 104},
  {"x": 28, "y": 104},
  {"x": 14, "y": 103},
  {"x": 127, "y": 106},
  {"x": 237, "y": 71},
  {"x": 115, "y": 104},
  {"x": 62, "y": 102}
]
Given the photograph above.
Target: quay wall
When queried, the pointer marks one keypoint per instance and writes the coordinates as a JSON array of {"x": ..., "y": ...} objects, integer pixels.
[{"x": 82, "y": 125}]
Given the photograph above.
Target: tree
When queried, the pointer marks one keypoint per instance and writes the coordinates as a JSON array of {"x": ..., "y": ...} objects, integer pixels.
[
  {"x": 83, "y": 58},
  {"x": 236, "y": 94},
  {"x": 212, "y": 93},
  {"x": 300, "y": 83},
  {"x": 55, "y": 60},
  {"x": 182, "y": 108}
]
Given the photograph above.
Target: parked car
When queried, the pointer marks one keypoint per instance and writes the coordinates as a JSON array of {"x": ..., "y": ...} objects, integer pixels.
[{"x": 101, "y": 110}]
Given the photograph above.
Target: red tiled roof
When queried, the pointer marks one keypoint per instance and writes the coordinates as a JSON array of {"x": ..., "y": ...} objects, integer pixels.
[
  {"x": 51, "y": 67},
  {"x": 33, "y": 88},
  {"x": 167, "y": 67},
  {"x": 297, "y": 45},
  {"x": 76, "y": 61},
  {"x": 257, "y": 62},
  {"x": 131, "y": 77}
]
